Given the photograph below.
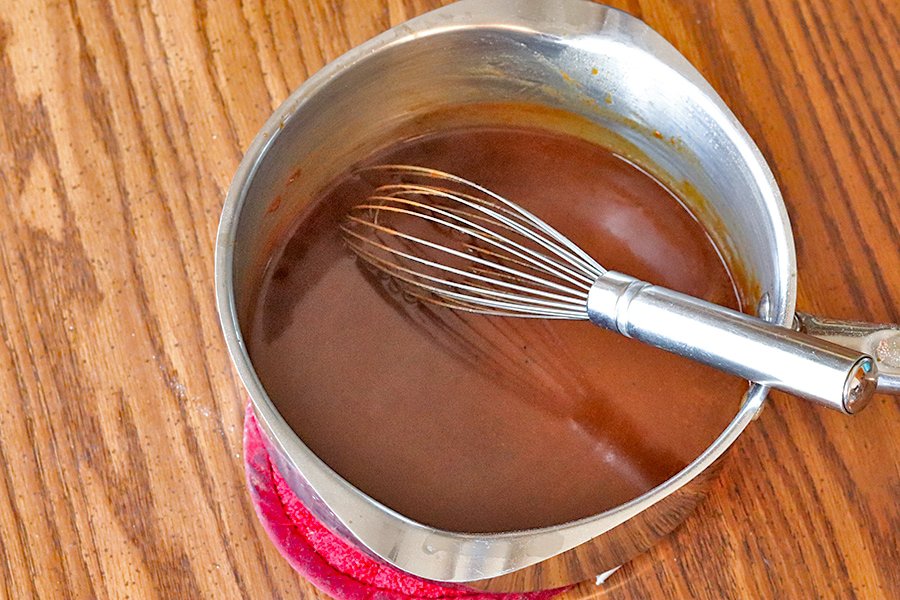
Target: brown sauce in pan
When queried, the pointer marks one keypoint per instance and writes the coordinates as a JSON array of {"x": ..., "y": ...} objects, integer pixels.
[{"x": 485, "y": 424}]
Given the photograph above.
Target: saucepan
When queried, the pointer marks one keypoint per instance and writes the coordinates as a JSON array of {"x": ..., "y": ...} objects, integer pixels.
[{"x": 599, "y": 65}]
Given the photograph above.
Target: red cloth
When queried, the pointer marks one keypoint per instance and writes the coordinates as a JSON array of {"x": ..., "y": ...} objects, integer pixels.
[{"x": 325, "y": 560}]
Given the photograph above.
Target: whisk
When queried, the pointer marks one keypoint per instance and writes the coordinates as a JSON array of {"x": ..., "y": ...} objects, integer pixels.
[{"x": 450, "y": 242}]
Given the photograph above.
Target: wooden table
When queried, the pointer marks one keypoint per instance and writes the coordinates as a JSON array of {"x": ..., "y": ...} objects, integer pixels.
[{"x": 120, "y": 429}]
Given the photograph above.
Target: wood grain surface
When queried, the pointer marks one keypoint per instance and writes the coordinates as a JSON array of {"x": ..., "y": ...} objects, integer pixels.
[{"x": 120, "y": 425}]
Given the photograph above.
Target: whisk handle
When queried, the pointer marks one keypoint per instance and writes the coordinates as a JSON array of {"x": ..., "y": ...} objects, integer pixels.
[{"x": 734, "y": 342}]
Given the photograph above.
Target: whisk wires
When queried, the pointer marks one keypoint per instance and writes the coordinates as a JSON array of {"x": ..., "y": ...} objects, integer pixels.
[{"x": 447, "y": 241}]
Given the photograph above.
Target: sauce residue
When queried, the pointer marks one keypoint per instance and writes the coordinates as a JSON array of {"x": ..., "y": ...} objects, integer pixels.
[{"x": 483, "y": 424}]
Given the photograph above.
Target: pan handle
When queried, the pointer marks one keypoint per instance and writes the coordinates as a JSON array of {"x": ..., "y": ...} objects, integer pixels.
[{"x": 879, "y": 340}]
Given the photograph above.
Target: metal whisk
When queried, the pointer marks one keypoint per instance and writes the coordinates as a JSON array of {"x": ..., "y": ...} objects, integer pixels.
[{"x": 447, "y": 241}]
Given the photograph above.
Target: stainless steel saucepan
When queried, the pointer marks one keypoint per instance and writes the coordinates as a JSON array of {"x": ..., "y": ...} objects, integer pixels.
[{"x": 588, "y": 60}]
